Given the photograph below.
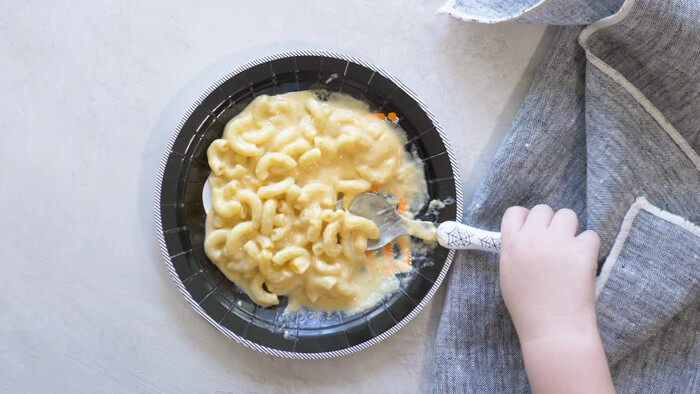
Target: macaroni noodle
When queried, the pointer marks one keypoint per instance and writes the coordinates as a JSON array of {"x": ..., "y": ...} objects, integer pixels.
[{"x": 278, "y": 173}]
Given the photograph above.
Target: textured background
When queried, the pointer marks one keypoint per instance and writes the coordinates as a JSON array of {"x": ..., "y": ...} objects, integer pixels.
[{"x": 91, "y": 93}]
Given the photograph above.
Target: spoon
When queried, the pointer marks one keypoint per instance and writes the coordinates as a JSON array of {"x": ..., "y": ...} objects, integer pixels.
[{"x": 451, "y": 235}]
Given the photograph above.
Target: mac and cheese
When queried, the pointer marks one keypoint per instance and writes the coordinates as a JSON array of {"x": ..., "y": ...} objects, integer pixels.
[{"x": 278, "y": 173}]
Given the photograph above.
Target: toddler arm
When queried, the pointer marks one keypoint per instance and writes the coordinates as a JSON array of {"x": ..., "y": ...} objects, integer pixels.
[{"x": 548, "y": 284}]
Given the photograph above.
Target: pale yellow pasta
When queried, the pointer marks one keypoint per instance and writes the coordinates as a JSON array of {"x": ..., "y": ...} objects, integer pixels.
[
  {"x": 214, "y": 244},
  {"x": 215, "y": 222},
  {"x": 373, "y": 130},
  {"x": 293, "y": 193},
  {"x": 222, "y": 197},
  {"x": 282, "y": 106},
  {"x": 252, "y": 250},
  {"x": 380, "y": 175},
  {"x": 285, "y": 208},
  {"x": 311, "y": 294},
  {"x": 259, "y": 136},
  {"x": 259, "y": 294},
  {"x": 267, "y": 220},
  {"x": 351, "y": 138},
  {"x": 265, "y": 242},
  {"x": 360, "y": 224},
  {"x": 254, "y": 203},
  {"x": 297, "y": 147},
  {"x": 276, "y": 159},
  {"x": 345, "y": 288},
  {"x": 325, "y": 268},
  {"x": 349, "y": 252},
  {"x": 238, "y": 125},
  {"x": 279, "y": 233},
  {"x": 324, "y": 282},
  {"x": 307, "y": 127},
  {"x": 317, "y": 248},
  {"x": 309, "y": 157},
  {"x": 242, "y": 265},
  {"x": 276, "y": 189},
  {"x": 224, "y": 162},
  {"x": 288, "y": 253},
  {"x": 329, "y": 215},
  {"x": 235, "y": 237},
  {"x": 359, "y": 243},
  {"x": 351, "y": 188},
  {"x": 270, "y": 272},
  {"x": 286, "y": 286},
  {"x": 326, "y": 144},
  {"x": 330, "y": 239},
  {"x": 243, "y": 147},
  {"x": 299, "y": 265},
  {"x": 316, "y": 192},
  {"x": 236, "y": 172},
  {"x": 284, "y": 138},
  {"x": 317, "y": 113},
  {"x": 215, "y": 156},
  {"x": 278, "y": 172},
  {"x": 342, "y": 116},
  {"x": 312, "y": 216},
  {"x": 262, "y": 107}
]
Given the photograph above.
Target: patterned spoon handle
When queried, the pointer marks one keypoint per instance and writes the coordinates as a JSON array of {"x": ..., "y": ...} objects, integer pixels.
[{"x": 453, "y": 235}]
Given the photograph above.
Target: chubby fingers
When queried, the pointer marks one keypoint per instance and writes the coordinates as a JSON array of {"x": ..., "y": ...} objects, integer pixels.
[
  {"x": 589, "y": 245},
  {"x": 565, "y": 221},
  {"x": 539, "y": 217},
  {"x": 590, "y": 238},
  {"x": 513, "y": 220}
]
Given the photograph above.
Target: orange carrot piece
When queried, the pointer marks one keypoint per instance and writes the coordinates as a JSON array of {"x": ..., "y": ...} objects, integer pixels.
[
  {"x": 388, "y": 253},
  {"x": 380, "y": 116},
  {"x": 374, "y": 188},
  {"x": 392, "y": 117},
  {"x": 402, "y": 208}
]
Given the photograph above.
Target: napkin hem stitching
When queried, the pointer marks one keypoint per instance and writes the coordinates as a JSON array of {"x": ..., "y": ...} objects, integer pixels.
[
  {"x": 640, "y": 204},
  {"x": 636, "y": 94}
]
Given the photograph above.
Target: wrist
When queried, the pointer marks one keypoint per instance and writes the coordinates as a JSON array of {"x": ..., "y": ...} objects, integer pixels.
[
  {"x": 579, "y": 337},
  {"x": 575, "y": 364},
  {"x": 570, "y": 326}
]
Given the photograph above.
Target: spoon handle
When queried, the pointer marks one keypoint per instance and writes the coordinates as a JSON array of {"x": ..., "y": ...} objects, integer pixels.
[{"x": 453, "y": 235}]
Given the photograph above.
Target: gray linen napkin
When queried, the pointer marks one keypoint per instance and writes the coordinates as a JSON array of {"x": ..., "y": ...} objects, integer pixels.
[{"x": 611, "y": 129}]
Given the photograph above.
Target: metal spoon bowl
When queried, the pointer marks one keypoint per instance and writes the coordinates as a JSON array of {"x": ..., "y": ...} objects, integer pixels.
[{"x": 373, "y": 207}]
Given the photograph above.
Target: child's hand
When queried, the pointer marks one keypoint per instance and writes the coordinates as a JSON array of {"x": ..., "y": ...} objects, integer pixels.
[
  {"x": 548, "y": 284},
  {"x": 547, "y": 272}
]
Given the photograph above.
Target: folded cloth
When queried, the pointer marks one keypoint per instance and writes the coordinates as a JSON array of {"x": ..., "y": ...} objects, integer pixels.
[{"x": 611, "y": 129}]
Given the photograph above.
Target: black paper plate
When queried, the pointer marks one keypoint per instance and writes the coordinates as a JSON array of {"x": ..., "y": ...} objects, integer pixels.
[{"x": 180, "y": 215}]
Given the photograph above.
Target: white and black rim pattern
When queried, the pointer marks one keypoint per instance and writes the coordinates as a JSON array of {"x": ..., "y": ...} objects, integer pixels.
[{"x": 226, "y": 331}]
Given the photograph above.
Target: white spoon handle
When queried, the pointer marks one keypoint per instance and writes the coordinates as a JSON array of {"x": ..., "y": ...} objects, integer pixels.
[{"x": 453, "y": 235}]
